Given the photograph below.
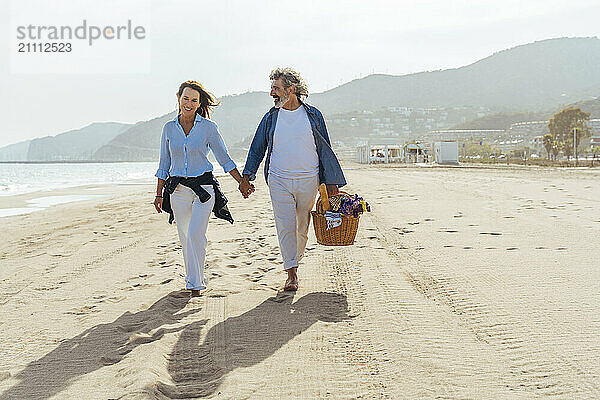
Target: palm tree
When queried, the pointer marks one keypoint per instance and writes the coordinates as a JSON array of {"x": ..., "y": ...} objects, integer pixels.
[{"x": 556, "y": 147}]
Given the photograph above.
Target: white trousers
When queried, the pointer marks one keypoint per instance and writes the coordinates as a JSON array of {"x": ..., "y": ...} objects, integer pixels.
[
  {"x": 191, "y": 218},
  {"x": 292, "y": 201}
]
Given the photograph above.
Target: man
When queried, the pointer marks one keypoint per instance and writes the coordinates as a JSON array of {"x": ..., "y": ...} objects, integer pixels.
[{"x": 299, "y": 158}]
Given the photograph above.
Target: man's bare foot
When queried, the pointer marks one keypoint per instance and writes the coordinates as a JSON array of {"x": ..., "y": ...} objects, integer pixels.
[
  {"x": 195, "y": 293},
  {"x": 291, "y": 283}
]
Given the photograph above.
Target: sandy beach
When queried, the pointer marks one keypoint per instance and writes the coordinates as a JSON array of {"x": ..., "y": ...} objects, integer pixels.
[{"x": 466, "y": 282}]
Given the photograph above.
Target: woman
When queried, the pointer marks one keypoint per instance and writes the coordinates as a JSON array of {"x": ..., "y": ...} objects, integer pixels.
[{"x": 186, "y": 187}]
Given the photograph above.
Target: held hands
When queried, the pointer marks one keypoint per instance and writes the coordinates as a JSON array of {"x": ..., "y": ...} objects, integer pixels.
[{"x": 246, "y": 188}]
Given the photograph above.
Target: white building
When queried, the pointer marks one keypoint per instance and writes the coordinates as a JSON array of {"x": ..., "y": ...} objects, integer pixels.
[
  {"x": 378, "y": 153},
  {"x": 446, "y": 152}
]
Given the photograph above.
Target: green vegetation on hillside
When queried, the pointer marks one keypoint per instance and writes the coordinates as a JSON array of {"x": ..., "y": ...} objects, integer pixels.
[{"x": 501, "y": 120}]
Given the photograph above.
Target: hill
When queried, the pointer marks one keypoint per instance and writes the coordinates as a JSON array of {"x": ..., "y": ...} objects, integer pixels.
[
  {"x": 138, "y": 143},
  {"x": 504, "y": 120},
  {"x": 15, "y": 152},
  {"x": 536, "y": 76},
  {"x": 237, "y": 117},
  {"x": 78, "y": 144},
  {"x": 501, "y": 120},
  {"x": 591, "y": 106}
]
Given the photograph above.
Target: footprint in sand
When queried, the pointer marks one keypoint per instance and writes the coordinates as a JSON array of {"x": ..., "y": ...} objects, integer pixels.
[
  {"x": 217, "y": 293},
  {"x": 44, "y": 288},
  {"x": 56, "y": 254},
  {"x": 82, "y": 310}
]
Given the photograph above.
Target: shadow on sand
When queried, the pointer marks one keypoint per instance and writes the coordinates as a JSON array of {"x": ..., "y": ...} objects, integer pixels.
[
  {"x": 101, "y": 345},
  {"x": 197, "y": 368}
]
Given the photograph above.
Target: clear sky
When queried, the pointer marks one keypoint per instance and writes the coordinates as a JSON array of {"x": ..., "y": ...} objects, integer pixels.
[{"x": 231, "y": 46}]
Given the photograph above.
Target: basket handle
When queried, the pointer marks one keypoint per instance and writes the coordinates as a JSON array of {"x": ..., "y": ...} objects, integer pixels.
[{"x": 324, "y": 197}]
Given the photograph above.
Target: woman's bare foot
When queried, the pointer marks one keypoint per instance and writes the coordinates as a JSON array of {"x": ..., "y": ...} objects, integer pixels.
[{"x": 195, "y": 293}]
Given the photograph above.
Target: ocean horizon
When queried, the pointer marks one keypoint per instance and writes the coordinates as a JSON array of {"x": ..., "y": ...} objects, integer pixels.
[
  {"x": 38, "y": 179},
  {"x": 26, "y": 177}
]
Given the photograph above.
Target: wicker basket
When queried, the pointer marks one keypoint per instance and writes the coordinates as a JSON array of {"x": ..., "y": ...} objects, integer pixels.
[{"x": 342, "y": 235}]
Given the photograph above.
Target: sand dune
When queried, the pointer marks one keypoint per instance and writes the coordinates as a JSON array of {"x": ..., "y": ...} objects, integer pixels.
[{"x": 463, "y": 283}]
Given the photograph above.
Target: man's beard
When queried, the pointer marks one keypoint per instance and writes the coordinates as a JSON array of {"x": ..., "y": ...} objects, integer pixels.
[{"x": 282, "y": 100}]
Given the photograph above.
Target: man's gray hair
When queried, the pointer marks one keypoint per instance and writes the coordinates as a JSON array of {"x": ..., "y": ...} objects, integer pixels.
[{"x": 290, "y": 77}]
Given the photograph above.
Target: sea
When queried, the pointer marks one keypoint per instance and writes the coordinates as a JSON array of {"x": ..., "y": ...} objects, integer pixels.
[{"x": 21, "y": 178}]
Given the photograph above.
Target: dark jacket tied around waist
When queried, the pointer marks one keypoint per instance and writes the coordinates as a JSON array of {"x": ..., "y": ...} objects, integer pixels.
[{"x": 220, "y": 208}]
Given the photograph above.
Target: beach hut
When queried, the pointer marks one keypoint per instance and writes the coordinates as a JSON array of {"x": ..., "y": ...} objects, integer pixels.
[
  {"x": 446, "y": 152},
  {"x": 378, "y": 153},
  {"x": 414, "y": 153}
]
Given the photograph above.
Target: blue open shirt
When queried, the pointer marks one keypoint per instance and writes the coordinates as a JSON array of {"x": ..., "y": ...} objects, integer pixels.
[
  {"x": 330, "y": 171},
  {"x": 186, "y": 156}
]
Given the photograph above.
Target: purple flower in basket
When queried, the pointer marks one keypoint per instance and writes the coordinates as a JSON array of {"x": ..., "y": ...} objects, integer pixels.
[{"x": 354, "y": 205}]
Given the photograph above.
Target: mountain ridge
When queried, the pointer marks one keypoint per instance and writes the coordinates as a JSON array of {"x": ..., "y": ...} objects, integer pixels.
[{"x": 529, "y": 78}]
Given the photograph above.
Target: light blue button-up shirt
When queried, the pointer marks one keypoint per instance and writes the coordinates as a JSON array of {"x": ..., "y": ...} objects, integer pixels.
[{"x": 186, "y": 156}]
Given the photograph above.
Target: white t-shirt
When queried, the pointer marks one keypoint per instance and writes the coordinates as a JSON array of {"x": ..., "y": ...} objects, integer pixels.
[{"x": 294, "y": 152}]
